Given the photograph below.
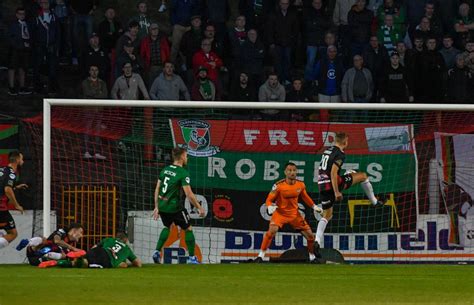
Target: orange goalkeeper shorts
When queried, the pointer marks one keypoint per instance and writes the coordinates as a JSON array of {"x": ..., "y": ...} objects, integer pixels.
[{"x": 297, "y": 222}]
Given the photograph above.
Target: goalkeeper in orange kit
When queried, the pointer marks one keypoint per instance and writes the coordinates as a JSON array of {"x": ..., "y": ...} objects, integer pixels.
[{"x": 285, "y": 193}]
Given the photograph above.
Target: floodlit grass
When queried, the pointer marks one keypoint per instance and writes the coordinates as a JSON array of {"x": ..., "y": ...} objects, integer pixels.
[{"x": 240, "y": 284}]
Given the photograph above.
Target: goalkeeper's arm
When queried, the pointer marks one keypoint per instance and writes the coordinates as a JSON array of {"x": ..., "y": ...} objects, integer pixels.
[{"x": 192, "y": 198}]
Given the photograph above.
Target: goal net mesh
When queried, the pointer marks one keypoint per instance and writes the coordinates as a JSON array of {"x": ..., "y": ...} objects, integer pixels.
[{"x": 105, "y": 162}]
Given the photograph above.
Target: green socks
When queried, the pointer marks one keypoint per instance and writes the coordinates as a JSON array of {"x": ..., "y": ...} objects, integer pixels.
[
  {"x": 163, "y": 237},
  {"x": 190, "y": 242}
]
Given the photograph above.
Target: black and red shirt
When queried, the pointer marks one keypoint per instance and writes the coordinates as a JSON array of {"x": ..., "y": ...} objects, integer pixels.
[
  {"x": 7, "y": 179},
  {"x": 332, "y": 155}
]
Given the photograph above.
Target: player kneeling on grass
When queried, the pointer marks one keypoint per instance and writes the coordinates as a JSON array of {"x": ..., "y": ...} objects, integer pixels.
[
  {"x": 169, "y": 205},
  {"x": 55, "y": 247},
  {"x": 331, "y": 184},
  {"x": 286, "y": 193},
  {"x": 109, "y": 253}
]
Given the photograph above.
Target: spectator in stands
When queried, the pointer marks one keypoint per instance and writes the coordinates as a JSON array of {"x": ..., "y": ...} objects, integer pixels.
[
  {"x": 144, "y": 21},
  {"x": 243, "y": 89},
  {"x": 447, "y": 11},
  {"x": 430, "y": 75},
  {"x": 281, "y": 33},
  {"x": 360, "y": 22},
  {"x": 418, "y": 43},
  {"x": 83, "y": 11},
  {"x": 389, "y": 34},
  {"x": 460, "y": 83},
  {"x": 208, "y": 59},
  {"x": 256, "y": 12},
  {"x": 423, "y": 30},
  {"x": 45, "y": 44},
  {"x": 449, "y": 52},
  {"x": 329, "y": 72},
  {"x": 330, "y": 39},
  {"x": 19, "y": 52},
  {"x": 237, "y": 37},
  {"x": 154, "y": 51},
  {"x": 271, "y": 91},
  {"x": 191, "y": 41},
  {"x": 95, "y": 55},
  {"x": 110, "y": 29},
  {"x": 415, "y": 10},
  {"x": 469, "y": 56},
  {"x": 394, "y": 9},
  {"x": 61, "y": 10},
  {"x": 316, "y": 23},
  {"x": 180, "y": 14},
  {"x": 404, "y": 54},
  {"x": 168, "y": 86},
  {"x": 298, "y": 94},
  {"x": 129, "y": 55},
  {"x": 204, "y": 88},
  {"x": 436, "y": 24},
  {"x": 93, "y": 87},
  {"x": 464, "y": 25},
  {"x": 375, "y": 58},
  {"x": 130, "y": 36},
  {"x": 357, "y": 85},
  {"x": 129, "y": 86},
  {"x": 216, "y": 46},
  {"x": 339, "y": 17},
  {"x": 252, "y": 57},
  {"x": 395, "y": 84},
  {"x": 218, "y": 12}
]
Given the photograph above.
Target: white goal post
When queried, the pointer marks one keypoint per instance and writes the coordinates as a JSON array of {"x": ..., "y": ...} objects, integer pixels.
[{"x": 48, "y": 103}]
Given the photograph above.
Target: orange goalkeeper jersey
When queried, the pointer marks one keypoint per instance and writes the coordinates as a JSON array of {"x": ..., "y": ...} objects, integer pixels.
[{"x": 287, "y": 195}]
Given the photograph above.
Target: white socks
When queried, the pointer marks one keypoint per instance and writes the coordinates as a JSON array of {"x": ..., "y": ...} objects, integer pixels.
[
  {"x": 261, "y": 254},
  {"x": 320, "y": 231},
  {"x": 369, "y": 191},
  {"x": 35, "y": 241},
  {"x": 3, "y": 242},
  {"x": 312, "y": 257},
  {"x": 54, "y": 255}
]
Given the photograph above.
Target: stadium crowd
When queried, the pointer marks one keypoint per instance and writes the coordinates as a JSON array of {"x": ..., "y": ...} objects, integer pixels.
[{"x": 272, "y": 50}]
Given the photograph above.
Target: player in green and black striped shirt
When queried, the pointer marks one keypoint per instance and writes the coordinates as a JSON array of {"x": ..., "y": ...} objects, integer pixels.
[{"x": 169, "y": 205}]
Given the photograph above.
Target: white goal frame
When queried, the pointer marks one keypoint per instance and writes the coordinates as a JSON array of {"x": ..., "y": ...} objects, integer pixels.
[{"x": 48, "y": 103}]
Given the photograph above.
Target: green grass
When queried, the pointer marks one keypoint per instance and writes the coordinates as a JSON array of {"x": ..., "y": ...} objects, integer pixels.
[{"x": 240, "y": 284}]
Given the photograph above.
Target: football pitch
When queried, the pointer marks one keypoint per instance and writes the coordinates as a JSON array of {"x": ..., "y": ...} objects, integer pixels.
[{"x": 240, "y": 284}]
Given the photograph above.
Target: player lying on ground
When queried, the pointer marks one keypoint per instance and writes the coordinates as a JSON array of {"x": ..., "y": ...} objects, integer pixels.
[
  {"x": 109, "y": 253},
  {"x": 7, "y": 194},
  {"x": 170, "y": 206},
  {"x": 55, "y": 247},
  {"x": 331, "y": 184},
  {"x": 285, "y": 193}
]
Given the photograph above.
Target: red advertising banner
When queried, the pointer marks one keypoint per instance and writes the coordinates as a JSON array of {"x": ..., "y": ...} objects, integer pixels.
[{"x": 207, "y": 137}]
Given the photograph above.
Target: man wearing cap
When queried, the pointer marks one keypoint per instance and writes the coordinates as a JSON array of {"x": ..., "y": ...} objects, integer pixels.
[
  {"x": 180, "y": 13},
  {"x": 155, "y": 51},
  {"x": 191, "y": 42},
  {"x": 203, "y": 88},
  {"x": 395, "y": 84},
  {"x": 95, "y": 55}
]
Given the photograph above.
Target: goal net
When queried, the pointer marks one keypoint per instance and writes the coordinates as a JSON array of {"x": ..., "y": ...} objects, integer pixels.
[{"x": 105, "y": 161}]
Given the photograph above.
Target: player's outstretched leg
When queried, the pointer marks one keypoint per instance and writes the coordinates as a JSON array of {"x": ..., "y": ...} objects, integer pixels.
[
  {"x": 367, "y": 187},
  {"x": 32, "y": 242},
  {"x": 6, "y": 239},
  {"x": 159, "y": 245},
  {"x": 191, "y": 244},
  {"x": 266, "y": 242}
]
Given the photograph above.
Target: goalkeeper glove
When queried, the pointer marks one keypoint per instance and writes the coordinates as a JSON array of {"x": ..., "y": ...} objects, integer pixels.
[
  {"x": 271, "y": 209},
  {"x": 317, "y": 209}
]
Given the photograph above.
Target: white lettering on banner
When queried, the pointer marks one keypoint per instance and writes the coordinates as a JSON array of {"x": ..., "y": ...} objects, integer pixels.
[
  {"x": 216, "y": 169},
  {"x": 216, "y": 165},
  {"x": 278, "y": 135},
  {"x": 350, "y": 166},
  {"x": 251, "y": 171},
  {"x": 300, "y": 170},
  {"x": 306, "y": 138},
  {"x": 374, "y": 170},
  {"x": 250, "y": 135},
  {"x": 329, "y": 138},
  {"x": 270, "y": 171}
]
